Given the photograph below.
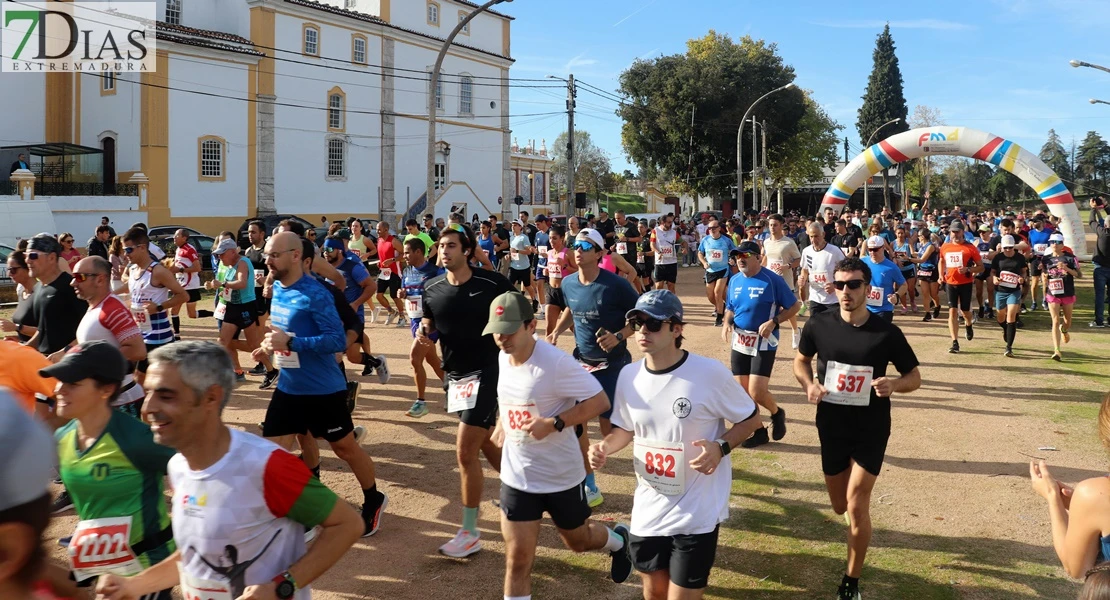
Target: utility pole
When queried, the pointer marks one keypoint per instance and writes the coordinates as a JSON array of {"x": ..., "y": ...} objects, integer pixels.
[
  {"x": 690, "y": 156},
  {"x": 571, "y": 93},
  {"x": 755, "y": 167},
  {"x": 763, "y": 170},
  {"x": 845, "y": 150}
]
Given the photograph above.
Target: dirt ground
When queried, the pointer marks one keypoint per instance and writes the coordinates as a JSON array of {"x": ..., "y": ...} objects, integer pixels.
[{"x": 954, "y": 486}]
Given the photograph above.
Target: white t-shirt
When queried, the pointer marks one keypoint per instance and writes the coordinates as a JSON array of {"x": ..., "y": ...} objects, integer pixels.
[
  {"x": 703, "y": 230},
  {"x": 665, "y": 240},
  {"x": 550, "y": 383},
  {"x": 689, "y": 402},
  {"x": 821, "y": 266},
  {"x": 781, "y": 252},
  {"x": 241, "y": 521}
]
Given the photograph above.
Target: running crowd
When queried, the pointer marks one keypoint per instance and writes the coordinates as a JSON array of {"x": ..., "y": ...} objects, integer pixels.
[{"x": 99, "y": 359}]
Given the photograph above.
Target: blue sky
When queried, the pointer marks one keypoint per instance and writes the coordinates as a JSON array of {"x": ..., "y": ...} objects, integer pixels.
[{"x": 997, "y": 65}]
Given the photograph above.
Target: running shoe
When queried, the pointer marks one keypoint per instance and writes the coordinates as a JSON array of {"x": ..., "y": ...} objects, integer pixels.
[
  {"x": 594, "y": 498},
  {"x": 719, "y": 320},
  {"x": 913, "y": 307},
  {"x": 383, "y": 369},
  {"x": 928, "y": 317},
  {"x": 352, "y": 396},
  {"x": 462, "y": 545},
  {"x": 401, "y": 322},
  {"x": 1044, "y": 304},
  {"x": 1064, "y": 332},
  {"x": 1019, "y": 323},
  {"x": 796, "y": 338},
  {"x": 259, "y": 369},
  {"x": 1009, "y": 353},
  {"x": 846, "y": 593},
  {"x": 936, "y": 312},
  {"x": 535, "y": 305},
  {"x": 269, "y": 380},
  {"x": 1096, "y": 325},
  {"x": 1056, "y": 356},
  {"x": 62, "y": 503},
  {"x": 1031, "y": 308},
  {"x": 982, "y": 309},
  {"x": 955, "y": 349},
  {"x": 376, "y": 314},
  {"x": 392, "y": 316},
  {"x": 64, "y": 542},
  {"x": 367, "y": 368},
  {"x": 240, "y": 377},
  {"x": 373, "y": 519},
  {"x": 969, "y": 331},
  {"x": 758, "y": 438},
  {"x": 360, "y": 432},
  {"x": 621, "y": 567},
  {"x": 1023, "y": 309},
  {"x": 974, "y": 319},
  {"x": 903, "y": 309},
  {"x": 778, "y": 425},
  {"x": 418, "y": 409}
]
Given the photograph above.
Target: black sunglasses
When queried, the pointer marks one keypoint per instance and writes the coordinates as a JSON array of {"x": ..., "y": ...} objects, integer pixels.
[
  {"x": 853, "y": 284},
  {"x": 653, "y": 325}
]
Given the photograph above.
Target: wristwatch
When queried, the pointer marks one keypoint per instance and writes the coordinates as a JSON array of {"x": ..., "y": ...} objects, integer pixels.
[
  {"x": 725, "y": 448},
  {"x": 559, "y": 424},
  {"x": 286, "y": 586},
  {"x": 159, "y": 307},
  {"x": 619, "y": 336}
]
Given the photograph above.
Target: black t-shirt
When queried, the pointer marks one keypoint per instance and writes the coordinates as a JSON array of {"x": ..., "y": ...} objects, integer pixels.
[
  {"x": 459, "y": 314},
  {"x": 644, "y": 246},
  {"x": 1053, "y": 268},
  {"x": 1013, "y": 264},
  {"x": 25, "y": 315},
  {"x": 58, "y": 312},
  {"x": 97, "y": 248},
  {"x": 874, "y": 344},
  {"x": 605, "y": 228},
  {"x": 996, "y": 240},
  {"x": 503, "y": 235},
  {"x": 255, "y": 256},
  {"x": 849, "y": 240},
  {"x": 628, "y": 230}
]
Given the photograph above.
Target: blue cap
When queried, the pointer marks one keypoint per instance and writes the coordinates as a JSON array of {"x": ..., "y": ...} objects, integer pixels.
[
  {"x": 749, "y": 246},
  {"x": 658, "y": 304},
  {"x": 333, "y": 243}
]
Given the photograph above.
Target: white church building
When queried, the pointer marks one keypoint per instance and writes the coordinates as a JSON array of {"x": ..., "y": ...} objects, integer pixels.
[{"x": 280, "y": 106}]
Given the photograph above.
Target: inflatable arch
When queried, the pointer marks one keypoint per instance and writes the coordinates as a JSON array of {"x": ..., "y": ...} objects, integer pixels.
[{"x": 971, "y": 143}]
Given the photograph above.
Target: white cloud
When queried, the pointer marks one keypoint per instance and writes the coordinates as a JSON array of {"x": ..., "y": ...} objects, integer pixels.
[
  {"x": 578, "y": 61},
  {"x": 936, "y": 24}
]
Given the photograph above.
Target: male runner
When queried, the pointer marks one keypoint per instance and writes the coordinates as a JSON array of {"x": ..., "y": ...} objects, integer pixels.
[
  {"x": 1038, "y": 240},
  {"x": 520, "y": 263},
  {"x": 360, "y": 288},
  {"x": 781, "y": 255},
  {"x": 311, "y": 395},
  {"x": 240, "y": 503},
  {"x": 846, "y": 239},
  {"x": 674, "y": 406},
  {"x": 456, "y": 306},
  {"x": 887, "y": 282},
  {"x": 415, "y": 275},
  {"x": 544, "y": 397},
  {"x": 108, "y": 319},
  {"x": 597, "y": 301},
  {"x": 237, "y": 308},
  {"x": 713, "y": 254},
  {"x": 1009, "y": 270},
  {"x": 663, "y": 239},
  {"x": 256, "y": 234},
  {"x": 153, "y": 290},
  {"x": 55, "y": 308},
  {"x": 758, "y": 301},
  {"x": 819, "y": 260},
  {"x": 961, "y": 262},
  {"x": 984, "y": 285},
  {"x": 852, "y": 393},
  {"x": 186, "y": 265}
]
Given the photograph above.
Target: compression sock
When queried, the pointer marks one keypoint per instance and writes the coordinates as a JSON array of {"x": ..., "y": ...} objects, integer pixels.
[
  {"x": 176, "y": 324},
  {"x": 470, "y": 519},
  {"x": 370, "y": 360},
  {"x": 614, "y": 543},
  {"x": 316, "y": 471},
  {"x": 1011, "y": 333},
  {"x": 590, "y": 482},
  {"x": 372, "y": 496},
  {"x": 204, "y": 314}
]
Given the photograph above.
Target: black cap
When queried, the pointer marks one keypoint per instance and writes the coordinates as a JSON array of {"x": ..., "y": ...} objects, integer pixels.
[
  {"x": 541, "y": 218},
  {"x": 96, "y": 359},
  {"x": 749, "y": 247}
]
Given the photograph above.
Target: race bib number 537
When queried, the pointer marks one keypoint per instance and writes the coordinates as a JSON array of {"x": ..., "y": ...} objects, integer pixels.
[{"x": 848, "y": 384}]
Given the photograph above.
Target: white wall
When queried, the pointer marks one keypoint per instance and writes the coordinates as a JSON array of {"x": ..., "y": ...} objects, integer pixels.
[
  {"x": 485, "y": 29},
  {"x": 192, "y": 116},
  {"x": 228, "y": 16},
  {"x": 476, "y": 159},
  {"x": 301, "y": 184},
  {"x": 23, "y": 96},
  {"x": 20, "y": 219},
  {"x": 410, "y": 94},
  {"x": 80, "y": 215},
  {"x": 120, "y": 113}
]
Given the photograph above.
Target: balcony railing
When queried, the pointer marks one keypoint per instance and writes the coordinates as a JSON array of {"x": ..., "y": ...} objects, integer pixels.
[
  {"x": 7, "y": 188},
  {"x": 72, "y": 188}
]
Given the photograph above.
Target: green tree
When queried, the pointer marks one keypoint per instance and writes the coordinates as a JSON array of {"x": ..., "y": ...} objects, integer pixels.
[
  {"x": 718, "y": 79},
  {"x": 809, "y": 151},
  {"x": 1092, "y": 163},
  {"x": 591, "y": 162},
  {"x": 883, "y": 100},
  {"x": 1056, "y": 157},
  {"x": 1004, "y": 187}
]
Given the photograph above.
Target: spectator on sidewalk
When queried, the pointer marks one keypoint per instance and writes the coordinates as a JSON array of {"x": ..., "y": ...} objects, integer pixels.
[
  {"x": 98, "y": 244},
  {"x": 1102, "y": 269},
  {"x": 20, "y": 163}
]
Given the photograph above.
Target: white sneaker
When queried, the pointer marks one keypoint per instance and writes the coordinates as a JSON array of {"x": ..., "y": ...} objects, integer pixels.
[
  {"x": 375, "y": 315},
  {"x": 594, "y": 498},
  {"x": 390, "y": 318},
  {"x": 383, "y": 369},
  {"x": 794, "y": 339},
  {"x": 402, "y": 322},
  {"x": 360, "y": 432},
  {"x": 462, "y": 545}
]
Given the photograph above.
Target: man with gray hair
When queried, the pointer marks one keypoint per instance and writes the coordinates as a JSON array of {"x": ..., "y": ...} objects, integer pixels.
[{"x": 240, "y": 502}]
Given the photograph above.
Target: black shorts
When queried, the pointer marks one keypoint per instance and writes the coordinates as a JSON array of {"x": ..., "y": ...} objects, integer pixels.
[
  {"x": 392, "y": 286},
  {"x": 760, "y": 364},
  {"x": 932, "y": 277},
  {"x": 908, "y": 274},
  {"x": 484, "y": 413},
  {"x": 668, "y": 273},
  {"x": 194, "y": 296},
  {"x": 689, "y": 558},
  {"x": 644, "y": 269},
  {"x": 262, "y": 303},
  {"x": 241, "y": 316},
  {"x": 711, "y": 276},
  {"x": 555, "y": 298},
  {"x": 886, "y": 315},
  {"x": 324, "y": 416},
  {"x": 960, "y": 296},
  {"x": 568, "y": 508},
  {"x": 520, "y": 276},
  {"x": 816, "y": 308},
  {"x": 1035, "y": 266},
  {"x": 849, "y": 433}
]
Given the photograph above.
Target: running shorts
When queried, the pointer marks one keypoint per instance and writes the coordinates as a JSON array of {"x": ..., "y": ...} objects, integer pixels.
[
  {"x": 688, "y": 558},
  {"x": 886, "y": 315},
  {"x": 644, "y": 269},
  {"x": 711, "y": 276},
  {"x": 850, "y": 434},
  {"x": 668, "y": 273},
  {"x": 1059, "y": 299},
  {"x": 262, "y": 302},
  {"x": 194, "y": 296},
  {"x": 1004, "y": 297},
  {"x": 908, "y": 274},
  {"x": 928, "y": 273},
  {"x": 323, "y": 415},
  {"x": 960, "y": 296},
  {"x": 816, "y": 308},
  {"x": 555, "y": 298},
  {"x": 241, "y": 316},
  {"x": 392, "y": 286},
  {"x": 760, "y": 364},
  {"x": 484, "y": 413},
  {"x": 568, "y": 508},
  {"x": 520, "y": 276}
]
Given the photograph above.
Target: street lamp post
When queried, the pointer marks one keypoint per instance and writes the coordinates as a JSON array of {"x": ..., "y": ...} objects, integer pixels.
[
  {"x": 431, "y": 191},
  {"x": 867, "y": 206},
  {"x": 1097, "y": 101},
  {"x": 740, "y": 149},
  {"x": 1080, "y": 63}
]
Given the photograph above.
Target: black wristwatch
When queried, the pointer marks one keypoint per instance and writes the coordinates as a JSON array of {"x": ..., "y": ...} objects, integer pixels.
[
  {"x": 619, "y": 336},
  {"x": 159, "y": 307},
  {"x": 725, "y": 448},
  {"x": 559, "y": 424},
  {"x": 286, "y": 586}
]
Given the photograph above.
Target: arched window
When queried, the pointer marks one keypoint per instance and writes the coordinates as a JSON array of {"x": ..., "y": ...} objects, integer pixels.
[
  {"x": 211, "y": 155},
  {"x": 433, "y": 13},
  {"x": 311, "y": 40},
  {"x": 337, "y": 110}
]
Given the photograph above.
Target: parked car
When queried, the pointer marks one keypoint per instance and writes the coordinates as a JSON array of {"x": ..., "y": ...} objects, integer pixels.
[
  {"x": 271, "y": 223},
  {"x": 202, "y": 243},
  {"x": 5, "y": 251},
  {"x": 713, "y": 214},
  {"x": 169, "y": 230}
]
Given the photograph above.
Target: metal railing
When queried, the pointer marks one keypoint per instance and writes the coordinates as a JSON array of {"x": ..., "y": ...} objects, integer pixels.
[
  {"x": 8, "y": 188},
  {"x": 73, "y": 188}
]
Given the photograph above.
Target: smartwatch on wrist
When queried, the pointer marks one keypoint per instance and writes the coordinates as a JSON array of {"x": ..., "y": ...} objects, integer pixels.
[
  {"x": 286, "y": 587},
  {"x": 725, "y": 448},
  {"x": 559, "y": 424},
  {"x": 159, "y": 307},
  {"x": 619, "y": 336}
]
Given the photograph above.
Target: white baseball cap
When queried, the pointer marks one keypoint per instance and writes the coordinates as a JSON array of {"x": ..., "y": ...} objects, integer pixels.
[
  {"x": 591, "y": 235},
  {"x": 875, "y": 241},
  {"x": 1056, "y": 237},
  {"x": 1007, "y": 241}
]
